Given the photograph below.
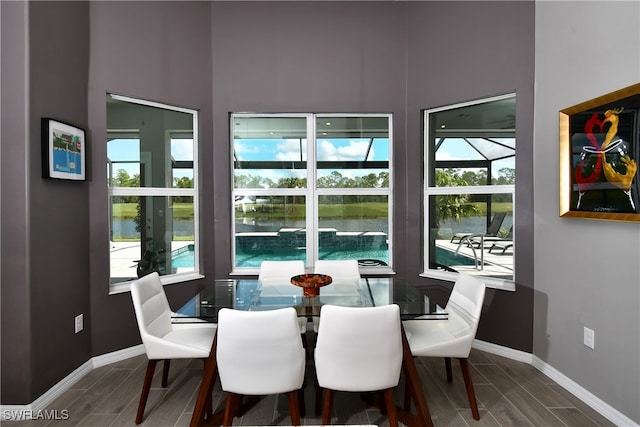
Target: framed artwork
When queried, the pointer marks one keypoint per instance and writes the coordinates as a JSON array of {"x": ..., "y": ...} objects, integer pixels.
[
  {"x": 63, "y": 150},
  {"x": 599, "y": 155}
]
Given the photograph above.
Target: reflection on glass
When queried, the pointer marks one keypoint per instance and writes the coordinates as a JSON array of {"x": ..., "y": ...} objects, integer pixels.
[
  {"x": 472, "y": 233},
  {"x": 182, "y": 160},
  {"x": 354, "y": 227},
  {"x": 474, "y": 144},
  {"x": 151, "y": 153},
  {"x": 154, "y": 155},
  {"x": 269, "y": 152},
  {"x": 269, "y": 227},
  {"x": 352, "y": 152},
  {"x": 151, "y": 233}
]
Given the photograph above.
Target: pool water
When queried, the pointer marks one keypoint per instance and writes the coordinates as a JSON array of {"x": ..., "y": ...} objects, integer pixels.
[
  {"x": 448, "y": 258},
  {"x": 443, "y": 256},
  {"x": 183, "y": 260}
]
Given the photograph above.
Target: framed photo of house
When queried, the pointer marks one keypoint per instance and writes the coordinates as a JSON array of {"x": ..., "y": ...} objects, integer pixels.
[
  {"x": 63, "y": 150},
  {"x": 599, "y": 156}
]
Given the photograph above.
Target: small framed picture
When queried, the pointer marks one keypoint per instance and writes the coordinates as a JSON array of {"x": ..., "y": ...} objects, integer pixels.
[
  {"x": 63, "y": 150},
  {"x": 599, "y": 155}
]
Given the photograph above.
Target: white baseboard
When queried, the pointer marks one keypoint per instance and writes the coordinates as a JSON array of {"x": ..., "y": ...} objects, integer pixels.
[
  {"x": 580, "y": 392},
  {"x": 117, "y": 356},
  {"x": 602, "y": 407},
  {"x": 18, "y": 412}
]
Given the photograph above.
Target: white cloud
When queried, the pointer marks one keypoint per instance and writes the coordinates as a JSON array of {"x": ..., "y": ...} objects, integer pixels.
[
  {"x": 182, "y": 149},
  {"x": 355, "y": 150},
  {"x": 241, "y": 147},
  {"x": 289, "y": 150}
]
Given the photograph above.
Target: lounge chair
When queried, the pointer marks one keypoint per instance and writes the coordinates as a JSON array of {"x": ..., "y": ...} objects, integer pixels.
[
  {"x": 503, "y": 244},
  {"x": 492, "y": 229},
  {"x": 495, "y": 241}
]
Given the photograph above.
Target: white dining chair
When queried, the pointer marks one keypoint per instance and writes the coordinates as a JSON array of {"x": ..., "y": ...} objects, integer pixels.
[
  {"x": 343, "y": 272},
  {"x": 274, "y": 280},
  {"x": 359, "y": 349},
  {"x": 275, "y": 277},
  {"x": 162, "y": 339},
  {"x": 260, "y": 353},
  {"x": 451, "y": 338}
]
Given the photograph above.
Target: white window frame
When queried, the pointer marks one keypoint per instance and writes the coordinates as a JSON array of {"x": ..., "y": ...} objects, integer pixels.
[
  {"x": 490, "y": 282},
  {"x": 312, "y": 193},
  {"x": 120, "y": 287}
]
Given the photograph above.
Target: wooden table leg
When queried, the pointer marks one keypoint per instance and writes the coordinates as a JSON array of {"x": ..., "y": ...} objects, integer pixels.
[
  {"x": 423, "y": 416},
  {"x": 203, "y": 401}
]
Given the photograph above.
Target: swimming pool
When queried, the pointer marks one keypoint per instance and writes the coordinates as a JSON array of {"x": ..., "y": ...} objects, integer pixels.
[{"x": 444, "y": 257}]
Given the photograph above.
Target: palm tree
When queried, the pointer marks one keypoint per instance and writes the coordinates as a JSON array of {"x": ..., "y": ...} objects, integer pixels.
[{"x": 452, "y": 206}]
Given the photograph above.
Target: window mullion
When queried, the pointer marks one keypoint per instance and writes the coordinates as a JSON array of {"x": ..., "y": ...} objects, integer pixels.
[{"x": 312, "y": 193}]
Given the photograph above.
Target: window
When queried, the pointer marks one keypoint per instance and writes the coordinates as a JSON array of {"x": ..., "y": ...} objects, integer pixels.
[
  {"x": 153, "y": 204},
  {"x": 311, "y": 186},
  {"x": 470, "y": 151}
]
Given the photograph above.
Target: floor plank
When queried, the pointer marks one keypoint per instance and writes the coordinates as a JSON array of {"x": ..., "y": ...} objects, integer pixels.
[{"x": 509, "y": 393}]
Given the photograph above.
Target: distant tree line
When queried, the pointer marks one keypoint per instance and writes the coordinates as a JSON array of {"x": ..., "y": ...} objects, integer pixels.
[{"x": 123, "y": 179}]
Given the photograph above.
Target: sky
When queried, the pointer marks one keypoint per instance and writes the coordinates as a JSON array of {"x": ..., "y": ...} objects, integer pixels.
[
  {"x": 339, "y": 149},
  {"x": 129, "y": 150}
]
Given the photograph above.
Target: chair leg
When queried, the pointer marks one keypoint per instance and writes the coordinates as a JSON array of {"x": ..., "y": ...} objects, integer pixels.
[
  {"x": 447, "y": 365},
  {"x": 301, "y": 403},
  {"x": 294, "y": 410},
  {"x": 146, "y": 386},
  {"x": 317, "y": 398},
  {"x": 165, "y": 372},
  {"x": 327, "y": 406},
  {"x": 208, "y": 410},
  {"x": 231, "y": 408},
  {"x": 407, "y": 396},
  {"x": 464, "y": 365},
  {"x": 391, "y": 407}
]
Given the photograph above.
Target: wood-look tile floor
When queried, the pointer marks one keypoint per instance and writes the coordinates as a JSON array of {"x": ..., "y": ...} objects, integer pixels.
[{"x": 509, "y": 393}]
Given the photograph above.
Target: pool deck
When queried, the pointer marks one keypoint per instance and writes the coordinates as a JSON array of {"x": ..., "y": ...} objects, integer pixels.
[
  {"x": 496, "y": 264},
  {"x": 124, "y": 257}
]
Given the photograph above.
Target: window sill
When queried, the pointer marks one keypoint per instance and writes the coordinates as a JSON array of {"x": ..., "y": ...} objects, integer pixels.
[
  {"x": 123, "y": 287},
  {"x": 490, "y": 282}
]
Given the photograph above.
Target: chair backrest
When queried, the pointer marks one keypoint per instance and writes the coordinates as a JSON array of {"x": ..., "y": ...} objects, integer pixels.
[
  {"x": 496, "y": 223},
  {"x": 341, "y": 271},
  {"x": 280, "y": 270},
  {"x": 359, "y": 348},
  {"x": 260, "y": 352},
  {"x": 465, "y": 305},
  {"x": 151, "y": 306}
]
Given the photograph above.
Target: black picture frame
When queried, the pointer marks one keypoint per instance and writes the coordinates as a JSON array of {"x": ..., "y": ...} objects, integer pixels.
[{"x": 63, "y": 150}]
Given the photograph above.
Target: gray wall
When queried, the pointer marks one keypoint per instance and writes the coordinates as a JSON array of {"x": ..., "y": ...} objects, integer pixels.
[
  {"x": 461, "y": 51},
  {"x": 383, "y": 57},
  {"x": 45, "y": 281},
  {"x": 15, "y": 310},
  {"x": 587, "y": 272},
  {"x": 158, "y": 51},
  {"x": 301, "y": 57},
  {"x": 220, "y": 57}
]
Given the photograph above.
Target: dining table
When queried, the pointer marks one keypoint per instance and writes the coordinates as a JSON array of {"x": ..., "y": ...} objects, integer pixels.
[{"x": 251, "y": 295}]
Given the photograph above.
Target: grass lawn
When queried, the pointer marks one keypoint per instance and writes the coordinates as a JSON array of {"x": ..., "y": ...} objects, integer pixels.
[
  {"x": 291, "y": 211},
  {"x": 129, "y": 210}
]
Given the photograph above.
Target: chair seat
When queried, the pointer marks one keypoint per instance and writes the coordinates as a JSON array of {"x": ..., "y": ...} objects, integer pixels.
[
  {"x": 440, "y": 338},
  {"x": 433, "y": 341},
  {"x": 183, "y": 342}
]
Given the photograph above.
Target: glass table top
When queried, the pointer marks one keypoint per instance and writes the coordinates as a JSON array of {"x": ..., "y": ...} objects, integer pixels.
[{"x": 252, "y": 295}]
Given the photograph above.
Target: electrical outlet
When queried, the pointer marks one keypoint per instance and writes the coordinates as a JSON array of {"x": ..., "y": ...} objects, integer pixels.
[
  {"x": 589, "y": 337},
  {"x": 79, "y": 322}
]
